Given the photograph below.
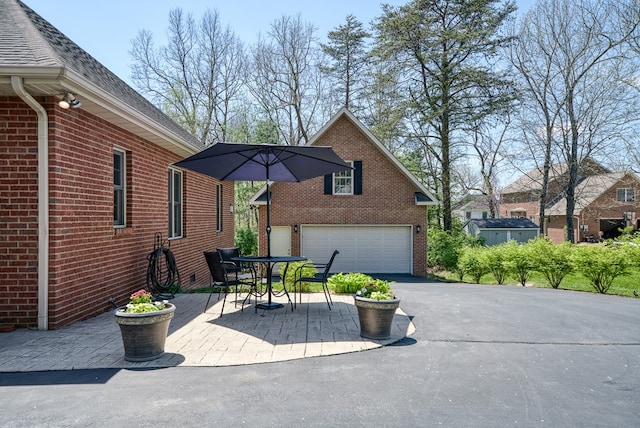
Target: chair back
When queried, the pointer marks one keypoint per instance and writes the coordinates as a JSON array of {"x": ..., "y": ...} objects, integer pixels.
[
  {"x": 215, "y": 266},
  {"x": 226, "y": 254},
  {"x": 327, "y": 268}
]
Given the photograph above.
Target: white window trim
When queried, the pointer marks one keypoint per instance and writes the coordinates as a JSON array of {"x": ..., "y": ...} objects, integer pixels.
[
  {"x": 627, "y": 191},
  {"x": 171, "y": 203},
  {"x": 123, "y": 154},
  {"x": 334, "y": 178}
]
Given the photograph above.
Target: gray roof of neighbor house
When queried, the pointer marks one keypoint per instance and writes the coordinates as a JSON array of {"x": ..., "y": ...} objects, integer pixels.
[
  {"x": 586, "y": 192},
  {"x": 532, "y": 180},
  {"x": 473, "y": 202},
  {"x": 504, "y": 223},
  {"x": 50, "y": 64}
]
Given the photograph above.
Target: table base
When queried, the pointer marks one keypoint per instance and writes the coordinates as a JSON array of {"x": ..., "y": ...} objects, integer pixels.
[{"x": 269, "y": 305}]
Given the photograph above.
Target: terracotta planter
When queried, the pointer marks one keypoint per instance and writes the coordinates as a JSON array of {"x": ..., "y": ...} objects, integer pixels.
[
  {"x": 376, "y": 317},
  {"x": 144, "y": 334}
]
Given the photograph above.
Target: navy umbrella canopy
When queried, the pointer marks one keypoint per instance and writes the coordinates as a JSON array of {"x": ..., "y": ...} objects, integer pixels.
[{"x": 264, "y": 162}]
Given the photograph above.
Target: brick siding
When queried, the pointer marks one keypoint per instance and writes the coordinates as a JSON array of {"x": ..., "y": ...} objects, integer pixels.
[
  {"x": 387, "y": 195},
  {"x": 90, "y": 260}
]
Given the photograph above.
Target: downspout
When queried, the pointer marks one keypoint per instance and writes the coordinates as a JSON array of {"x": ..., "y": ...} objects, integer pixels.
[{"x": 43, "y": 202}]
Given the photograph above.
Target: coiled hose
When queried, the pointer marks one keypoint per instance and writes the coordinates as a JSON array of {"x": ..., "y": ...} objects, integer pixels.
[{"x": 163, "y": 277}]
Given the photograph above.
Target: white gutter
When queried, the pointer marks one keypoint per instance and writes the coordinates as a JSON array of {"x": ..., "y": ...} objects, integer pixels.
[{"x": 43, "y": 202}]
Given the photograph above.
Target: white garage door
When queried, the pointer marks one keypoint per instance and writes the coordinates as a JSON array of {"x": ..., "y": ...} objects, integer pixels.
[{"x": 367, "y": 249}]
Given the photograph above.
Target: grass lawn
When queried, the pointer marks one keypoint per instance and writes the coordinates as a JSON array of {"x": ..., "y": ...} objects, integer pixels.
[{"x": 623, "y": 285}]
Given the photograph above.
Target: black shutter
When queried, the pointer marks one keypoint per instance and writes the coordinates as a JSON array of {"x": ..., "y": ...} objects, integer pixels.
[
  {"x": 328, "y": 183},
  {"x": 357, "y": 178}
]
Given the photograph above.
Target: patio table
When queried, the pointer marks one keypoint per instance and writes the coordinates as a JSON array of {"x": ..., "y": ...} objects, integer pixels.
[{"x": 269, "y": 262}]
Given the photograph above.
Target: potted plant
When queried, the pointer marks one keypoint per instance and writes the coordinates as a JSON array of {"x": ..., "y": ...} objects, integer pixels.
[
  {"x": 144, "y": 325},
  {"x": 374, "y": 299},
  {"x": 377, "y": 304}
]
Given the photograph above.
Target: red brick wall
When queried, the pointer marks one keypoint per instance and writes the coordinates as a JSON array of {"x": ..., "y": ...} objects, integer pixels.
[
  {"x": 604, "y": 207},
  {"x": 18, "y": 213},
  {"x": 387, "y": 195},
  {"x": 90, "y": 260}
]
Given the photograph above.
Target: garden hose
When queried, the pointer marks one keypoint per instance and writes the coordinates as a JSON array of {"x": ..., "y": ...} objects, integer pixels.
[{"x": 163, "y": 277}]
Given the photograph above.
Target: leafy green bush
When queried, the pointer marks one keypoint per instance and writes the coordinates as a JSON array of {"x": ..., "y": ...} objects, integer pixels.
[
  {"x": 307, "y": 271},
  {"x": 445, "y": 247},
  {"x": 496, "y": 261},
  {"x": 349, "y": 283},
  {"x": 551, "y": 260},
  {"x": 519, "y": 261},
  {"x": 472, "y": 261},
  {"x": 601, "y": 264},
  {"x": 247, "y": 241}
]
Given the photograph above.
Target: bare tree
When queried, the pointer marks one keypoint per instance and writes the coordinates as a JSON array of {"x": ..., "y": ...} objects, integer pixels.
[
  {"x": 487, "y": 141},
  {"x": 286, "y": 80},
  {"x": 573, "y": 56},
  {"x": 196, "y": 77}
]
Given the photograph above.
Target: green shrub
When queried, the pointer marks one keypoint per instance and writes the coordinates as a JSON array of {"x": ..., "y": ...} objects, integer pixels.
[
  {"x": 601, "y": 264},
  {"x": 551, "y": 260},
  {"x": 445, "y": 247},
  {"x": 519, "y": 261},
  {"x": 307, "y": 271},
  {"x": 247, "y": 241},
  {"x": 348, "y": 283},
  {"x": 472, "y": 261},
  {"x": 496, "y": 262}
]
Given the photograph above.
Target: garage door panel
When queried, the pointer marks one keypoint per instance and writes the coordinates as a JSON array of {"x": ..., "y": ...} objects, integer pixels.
[{"x": 373, "y": 249}]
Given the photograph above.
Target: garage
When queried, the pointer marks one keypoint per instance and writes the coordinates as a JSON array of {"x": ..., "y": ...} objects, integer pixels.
[{"x": 367, "y": 249}]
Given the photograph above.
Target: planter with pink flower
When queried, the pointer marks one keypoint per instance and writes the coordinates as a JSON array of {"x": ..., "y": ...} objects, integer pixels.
[{"x": 144, "y": 325}]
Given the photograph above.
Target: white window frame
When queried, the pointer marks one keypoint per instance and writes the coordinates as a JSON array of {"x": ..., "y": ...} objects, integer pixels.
[
  {"x": 120, "y": 189},
  {"x": 346, "y": 177},
  {"x": 625, "y": 194},
  {"x": 175, "y": 225}
]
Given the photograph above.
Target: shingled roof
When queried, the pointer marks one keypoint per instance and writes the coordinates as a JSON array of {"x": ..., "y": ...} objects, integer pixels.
[
  {"x": 50, "y": 64},
  {"x": 504, "y": 223},
  {"x": 586, "y": 192},
  {"x": 531, "y": 181}
]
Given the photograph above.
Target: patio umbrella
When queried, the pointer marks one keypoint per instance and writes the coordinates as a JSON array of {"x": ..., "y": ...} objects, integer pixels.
[{"x": 264, "y": 162}]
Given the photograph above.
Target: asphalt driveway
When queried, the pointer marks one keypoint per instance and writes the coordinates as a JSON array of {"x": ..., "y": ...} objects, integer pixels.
[{"x": 481, "y": 356}]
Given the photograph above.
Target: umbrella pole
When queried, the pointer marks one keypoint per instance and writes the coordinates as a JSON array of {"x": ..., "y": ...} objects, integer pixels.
[{"x": 268, "y": 216}]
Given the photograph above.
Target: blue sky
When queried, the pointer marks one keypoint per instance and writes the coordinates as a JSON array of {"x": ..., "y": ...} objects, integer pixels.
[{"x": 105, "y": 28}]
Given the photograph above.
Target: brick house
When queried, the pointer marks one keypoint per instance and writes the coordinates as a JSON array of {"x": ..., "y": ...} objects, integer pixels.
[
  {"x": 84, "y": 190},
  {"x": 375, "y": 215},
  {"x": 605, "y": 201}
]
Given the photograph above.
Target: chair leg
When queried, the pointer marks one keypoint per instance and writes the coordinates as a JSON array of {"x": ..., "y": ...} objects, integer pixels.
[
  {"x": 327, "y": 295},
  {"x": 207, "y": 304},
  {"x": 209, "y": 299}
]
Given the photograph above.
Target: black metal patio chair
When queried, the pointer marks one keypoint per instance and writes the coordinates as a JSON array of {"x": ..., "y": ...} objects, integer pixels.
[
  {"x": 319, "y": 278},
  {"x": 226, "y": 275}
]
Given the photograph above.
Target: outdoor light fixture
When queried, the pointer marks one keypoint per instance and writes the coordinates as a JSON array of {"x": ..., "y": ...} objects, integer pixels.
[
  {"x": 417, "y": 228},
  {"x": 295, "y": 228},
  {"x": 69, "y": 101}
]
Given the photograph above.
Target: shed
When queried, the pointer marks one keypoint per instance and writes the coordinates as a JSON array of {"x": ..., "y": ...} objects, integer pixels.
[{"x": 499, "y": 230}]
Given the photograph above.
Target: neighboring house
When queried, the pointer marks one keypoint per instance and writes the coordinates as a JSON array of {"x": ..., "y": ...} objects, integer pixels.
[
  {"x": 472, "y": 207},
  {"x": 500, "y": 230},
  {"x": 605, "y": 201},
  {"x": 375, "y": 215},
  {"x": 84, "y": 190}
]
